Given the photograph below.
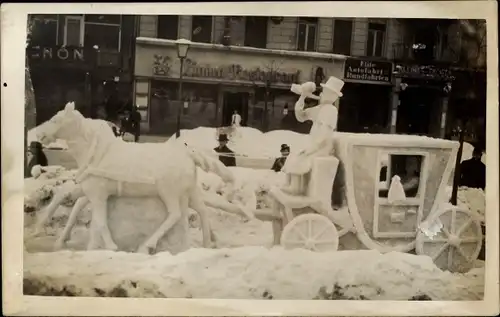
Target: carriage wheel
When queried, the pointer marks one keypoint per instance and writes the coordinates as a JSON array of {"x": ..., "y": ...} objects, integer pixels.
[
  {"x": 310, "y": 231},
  {"x": 457, "y": 245}
]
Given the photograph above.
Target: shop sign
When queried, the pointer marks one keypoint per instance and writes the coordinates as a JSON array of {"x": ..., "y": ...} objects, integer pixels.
[
  {"x": 424, "y": 71},
  {"x": 162, "y": 66},
  {"x": 57, "y": 53},
  {"x": 365, "y": 70}
]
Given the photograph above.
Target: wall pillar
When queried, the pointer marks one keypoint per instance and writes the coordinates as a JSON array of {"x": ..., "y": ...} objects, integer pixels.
[
  {"x": 444, "y": 112},
  {"x": 394, "y": 104}
]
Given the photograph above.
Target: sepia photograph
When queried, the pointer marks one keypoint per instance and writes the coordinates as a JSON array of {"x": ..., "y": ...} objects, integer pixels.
[{"x": 256, "y": 157}]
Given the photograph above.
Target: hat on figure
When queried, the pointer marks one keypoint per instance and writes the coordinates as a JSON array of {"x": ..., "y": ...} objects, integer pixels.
[
  {"x": 223, "y": 138},
  {"x": 334, "y": 84},
  {"x": 285, "y": 148}
]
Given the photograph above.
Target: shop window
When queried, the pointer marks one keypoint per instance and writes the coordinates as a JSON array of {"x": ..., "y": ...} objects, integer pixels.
[
  {"x": 168, "y": 27},
  {"x": 306, "y": 34},
  {"x": 202, "y": 26},
  {"x": 376, "y": 39},
  {"x": 256, "y": 31},
  {"x": 44, "y": 30},
  {"x": 73, "y": 31},
  {"x": 409, "y": 170},
  {"x": 103, "y": 33},
  {"x": 342, "y": 37}
]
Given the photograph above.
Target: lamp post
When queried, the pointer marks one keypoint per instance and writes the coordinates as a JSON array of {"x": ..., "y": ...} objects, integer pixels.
[{"x": 182, "y": 50}]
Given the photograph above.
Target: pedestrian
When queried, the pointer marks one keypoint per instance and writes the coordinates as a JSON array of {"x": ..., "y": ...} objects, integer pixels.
[
  {"x": 473, "y": 171},
  {"x": 227, "y": 156},
  {"x": 135, "y": 123},
  {"x": 280, "y": 161},
  {"x": 36, "y": 156},
  {"x": 236, "y": 119}
]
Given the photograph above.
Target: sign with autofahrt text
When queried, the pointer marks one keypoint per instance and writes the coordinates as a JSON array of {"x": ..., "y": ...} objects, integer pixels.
[{"x": 358, "y": 70}]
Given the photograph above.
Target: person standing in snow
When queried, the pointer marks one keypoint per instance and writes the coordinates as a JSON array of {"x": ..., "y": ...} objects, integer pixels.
[
  {"x": 36, "y": 156},
  {"x": 473, "y": 171},
  {"x": 227, "y": 158},
  {"x": 236, "y": 120},
  {"x": 280, "y": 161},
  {"x": 135, "y": 123}
]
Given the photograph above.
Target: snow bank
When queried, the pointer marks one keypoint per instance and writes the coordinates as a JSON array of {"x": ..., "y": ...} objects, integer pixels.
[
  {"x": 248, "y": 141},
  {"x": 247, "y": 273}
]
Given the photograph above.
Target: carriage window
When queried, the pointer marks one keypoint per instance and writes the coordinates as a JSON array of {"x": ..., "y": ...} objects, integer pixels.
[{"x": 408, "y": 168}]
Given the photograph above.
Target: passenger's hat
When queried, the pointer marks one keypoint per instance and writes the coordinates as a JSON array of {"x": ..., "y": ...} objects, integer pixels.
[
  {"x": 223, "y": 138},
  {"x": 285, "y": 148}
]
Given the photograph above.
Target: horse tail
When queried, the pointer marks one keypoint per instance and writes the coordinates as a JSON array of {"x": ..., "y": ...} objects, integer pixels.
[{"x": 210, "y": 164}]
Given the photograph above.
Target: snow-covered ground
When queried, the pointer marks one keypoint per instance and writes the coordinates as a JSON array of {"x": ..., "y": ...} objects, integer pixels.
[{"x": 243, "y": 266}]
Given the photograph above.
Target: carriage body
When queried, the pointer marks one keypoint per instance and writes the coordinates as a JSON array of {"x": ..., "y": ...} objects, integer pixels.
[{"x": 360, "y": 173}]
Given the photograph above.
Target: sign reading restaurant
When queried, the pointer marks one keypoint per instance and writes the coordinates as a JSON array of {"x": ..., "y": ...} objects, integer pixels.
[
  {"x": 364, "y": 70},
  {"x": 162, "y": 66}
]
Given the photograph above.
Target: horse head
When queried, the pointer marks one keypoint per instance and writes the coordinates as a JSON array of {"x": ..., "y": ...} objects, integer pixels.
[{"x": 63, "y": 125}]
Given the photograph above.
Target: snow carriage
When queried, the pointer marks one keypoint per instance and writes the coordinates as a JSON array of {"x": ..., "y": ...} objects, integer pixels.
[{"x": 346, "y": 203}]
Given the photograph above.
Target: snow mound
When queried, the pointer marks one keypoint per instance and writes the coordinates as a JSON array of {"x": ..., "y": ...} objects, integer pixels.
[
  {"x": 248, "y": 141},
  {"x": 247, "y": 273}
]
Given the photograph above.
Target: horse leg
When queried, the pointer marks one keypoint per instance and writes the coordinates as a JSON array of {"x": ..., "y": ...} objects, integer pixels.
[
  {"x": 79, "y": 205},
  {"x": 52, "y": 207},
  {"x": 172, "y": 202},
  {"x": 199, "y": 206},
  {"x": 100, "y": 219}
]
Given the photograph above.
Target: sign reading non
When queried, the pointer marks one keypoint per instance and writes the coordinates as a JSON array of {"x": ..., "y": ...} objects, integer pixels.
[
  {"x": 363, "y": 70},
  {"x": 57, "y": 53}
]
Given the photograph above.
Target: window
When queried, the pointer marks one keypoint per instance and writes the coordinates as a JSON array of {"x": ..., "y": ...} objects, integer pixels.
[
  {"x": 103, "y": 32},
  {"x": 44, "y": 30},
  {"x": 202, "y": 29},
  {"x": 375, "y": 43},
  {"x": 256, "y": 31},
  {"x": 73, "y": 31},
  {"x": 306, "y": 38},
  {"x": 407, "y": 167},
  {"x": 342, "y": 35},
  {"x": 141, "y": 99},
  {"x": 168, "y": 27}
]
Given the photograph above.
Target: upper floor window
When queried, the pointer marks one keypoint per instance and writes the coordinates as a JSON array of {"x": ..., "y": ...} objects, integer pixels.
[
  {"x": 44, "y": 30},
  {"x": 342, "y": 36},
  {"x": 99, "y": 31},
  {"x": 168, "y": 27},
  {"x": 103, "y": 31},
  {"x": 256, "y": 31},
  {"x": 376, "y": 39},
  {"x": 202, "y": 26},
  {"x": 306, "y": 34}
]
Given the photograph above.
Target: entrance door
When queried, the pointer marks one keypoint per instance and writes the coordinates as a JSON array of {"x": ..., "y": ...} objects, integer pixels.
[
  {"x": 414, "y": 112},
  {"x": 234, "y": 101}
]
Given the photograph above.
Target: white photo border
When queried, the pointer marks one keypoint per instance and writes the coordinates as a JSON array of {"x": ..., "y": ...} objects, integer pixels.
[{"x": 13, "y": 43}]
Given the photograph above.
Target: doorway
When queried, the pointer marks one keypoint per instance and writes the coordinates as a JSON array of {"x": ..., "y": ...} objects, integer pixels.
[
  {"x": 415, "y": 111},
  {"x": 235, "y": 101}
]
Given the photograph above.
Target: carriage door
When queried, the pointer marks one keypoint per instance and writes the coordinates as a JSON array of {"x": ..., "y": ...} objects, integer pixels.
[{"x": 402, "y": 178}]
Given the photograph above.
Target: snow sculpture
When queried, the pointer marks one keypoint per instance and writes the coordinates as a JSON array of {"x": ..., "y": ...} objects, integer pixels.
[
  {"x": 324, "y": 118},
  {"x": 108, "y": 166},
  {"x": 396, "y": 190}
]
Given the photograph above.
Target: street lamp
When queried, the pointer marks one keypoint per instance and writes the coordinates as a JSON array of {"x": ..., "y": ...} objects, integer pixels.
[{"x": 182, "y": 50}]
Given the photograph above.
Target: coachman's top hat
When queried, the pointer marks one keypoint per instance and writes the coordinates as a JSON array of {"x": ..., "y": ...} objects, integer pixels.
[
  {"x": 334, "y": 84},
  {"x": 285, "y": 148},
  {"x": 34, "y": 145},
  {"x": 223, "y": 138}
]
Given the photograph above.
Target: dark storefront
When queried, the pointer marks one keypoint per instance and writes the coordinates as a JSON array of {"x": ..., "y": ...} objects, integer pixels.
[
  {"x": 81, "y": 58},
  {"x": 423, "y": 92},
  {"x": 367, "y": 96}
]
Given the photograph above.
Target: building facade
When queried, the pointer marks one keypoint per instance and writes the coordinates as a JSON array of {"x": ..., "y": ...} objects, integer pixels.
[
  {"x": 232, "y": 66},
  {"x": 83, "y": 58}
]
